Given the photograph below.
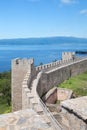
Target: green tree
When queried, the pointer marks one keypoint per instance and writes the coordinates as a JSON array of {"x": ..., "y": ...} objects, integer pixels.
[{"x": 5, "y": 87}]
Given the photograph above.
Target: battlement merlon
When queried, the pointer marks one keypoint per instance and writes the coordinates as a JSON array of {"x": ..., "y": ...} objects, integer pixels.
[
  {"x": 24, "y": 61},
  {"x": 68, "y": 55}
]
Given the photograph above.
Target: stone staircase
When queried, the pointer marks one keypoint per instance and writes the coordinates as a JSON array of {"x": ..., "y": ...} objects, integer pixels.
[
  {"x": 35, "y": 104},
  {"x": 54, "y": 120}
]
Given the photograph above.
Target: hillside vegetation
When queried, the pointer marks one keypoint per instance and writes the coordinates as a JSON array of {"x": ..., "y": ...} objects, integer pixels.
[
  {"x": 5, "y": 92},
  {"x": 78, "y": 84}
]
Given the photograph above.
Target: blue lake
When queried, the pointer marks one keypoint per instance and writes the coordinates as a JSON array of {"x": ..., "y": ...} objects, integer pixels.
[{"x": 42, "y": 53}]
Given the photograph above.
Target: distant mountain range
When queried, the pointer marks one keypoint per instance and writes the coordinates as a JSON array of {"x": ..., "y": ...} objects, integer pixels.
[{"x": 47, "y": 40}]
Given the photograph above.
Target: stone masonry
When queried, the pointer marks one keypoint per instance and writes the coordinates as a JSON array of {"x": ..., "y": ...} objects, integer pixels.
[
  {"x": 75, "y": 113},
  {"x": 39, "y": 81},
  {"x": 26, "y": 119},
  {"x": 19, "y": 70}
]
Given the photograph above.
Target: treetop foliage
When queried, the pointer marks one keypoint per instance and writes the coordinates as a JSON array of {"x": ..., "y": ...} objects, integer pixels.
[{"x": 5, "y": 87}]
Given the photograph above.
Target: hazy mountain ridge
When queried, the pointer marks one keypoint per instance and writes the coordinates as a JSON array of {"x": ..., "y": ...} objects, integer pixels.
[{"x": 40, "y": 41}]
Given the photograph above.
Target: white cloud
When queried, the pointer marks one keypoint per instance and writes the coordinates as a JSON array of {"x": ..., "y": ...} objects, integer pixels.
[
  {"x": 68, "y": 1},
  {"x": 84, "y": 11}
]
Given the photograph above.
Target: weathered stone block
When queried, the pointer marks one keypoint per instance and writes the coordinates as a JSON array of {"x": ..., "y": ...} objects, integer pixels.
[{"x": 51, "y": 96}]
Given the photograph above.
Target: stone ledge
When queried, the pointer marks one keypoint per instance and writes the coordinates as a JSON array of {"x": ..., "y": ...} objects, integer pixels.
[{"x": 78, "y": 106}]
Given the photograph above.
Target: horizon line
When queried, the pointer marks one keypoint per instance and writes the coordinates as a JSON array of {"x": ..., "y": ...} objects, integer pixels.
[{"x": 16, "y": 38}]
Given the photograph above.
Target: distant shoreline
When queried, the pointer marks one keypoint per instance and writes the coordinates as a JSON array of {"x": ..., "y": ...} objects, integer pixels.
[
  {"x": 81, "y": 52},
  {"x": 44, "y": 37}
]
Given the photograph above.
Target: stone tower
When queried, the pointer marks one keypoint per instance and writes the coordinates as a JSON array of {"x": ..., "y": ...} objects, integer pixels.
[{"x": 19, "y": 70}]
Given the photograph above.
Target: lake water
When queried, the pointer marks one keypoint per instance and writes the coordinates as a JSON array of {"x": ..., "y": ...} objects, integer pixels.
[{"x": 42, "y": 53}]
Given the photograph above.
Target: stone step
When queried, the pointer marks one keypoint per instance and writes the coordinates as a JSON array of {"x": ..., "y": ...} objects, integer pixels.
[
  {"x": 27, "y": 90},
  {"x": 29, "y": 95},
  {"x": 33, "y": 103},
  {"x": 33, "y": 89},
  {"x": 49, "y": 128},
  {"x": 34, "y": 82},
  {"x": 38, "y": 109}
]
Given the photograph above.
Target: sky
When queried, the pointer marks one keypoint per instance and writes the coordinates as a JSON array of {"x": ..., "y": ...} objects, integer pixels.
[{"x": 43, "y": 18}]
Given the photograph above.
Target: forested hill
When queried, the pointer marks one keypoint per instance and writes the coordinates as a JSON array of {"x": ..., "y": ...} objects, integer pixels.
[{"x": 47, "y": 40}]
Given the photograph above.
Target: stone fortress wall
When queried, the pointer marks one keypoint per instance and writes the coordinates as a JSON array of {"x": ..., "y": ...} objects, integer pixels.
[
  {"x": 29, "y": 83},
  {"x": 20, "y": 67}
]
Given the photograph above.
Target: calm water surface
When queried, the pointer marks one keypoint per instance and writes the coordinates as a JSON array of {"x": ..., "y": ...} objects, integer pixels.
[{"x": 40, "y": 53}]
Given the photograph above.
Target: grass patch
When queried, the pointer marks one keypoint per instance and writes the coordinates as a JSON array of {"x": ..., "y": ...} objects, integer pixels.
[
  {"x": 4, "y": 108},
  {"x": 78, "y": 84}
]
